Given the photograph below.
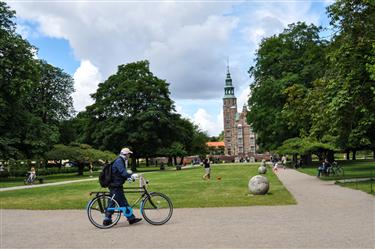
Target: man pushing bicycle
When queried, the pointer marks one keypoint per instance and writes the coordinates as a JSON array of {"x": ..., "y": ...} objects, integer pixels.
[{"x": 119, "y": 175}]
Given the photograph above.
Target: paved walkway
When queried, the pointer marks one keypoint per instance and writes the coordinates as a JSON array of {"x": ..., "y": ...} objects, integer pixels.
[{"x": 326, "y": 216}]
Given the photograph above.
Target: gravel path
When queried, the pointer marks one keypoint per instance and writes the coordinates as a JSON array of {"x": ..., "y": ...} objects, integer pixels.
[{"x": 326, "y": 216}]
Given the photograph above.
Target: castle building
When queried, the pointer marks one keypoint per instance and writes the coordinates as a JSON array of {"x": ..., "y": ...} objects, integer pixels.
[{"x": 239, "y": 139}]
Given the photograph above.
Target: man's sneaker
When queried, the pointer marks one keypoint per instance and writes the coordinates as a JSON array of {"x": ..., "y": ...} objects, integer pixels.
[
  {"x": 107, "y": 222},
  {"x": 135, "y": 220}
]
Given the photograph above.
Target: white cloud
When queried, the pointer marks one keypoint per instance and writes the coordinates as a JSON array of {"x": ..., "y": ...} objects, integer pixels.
[
  {"x": 86, "y": 80},
  {"x": 272, "y": 17},
  {"x": 187, "y": 43},
  {"x": 24, "y": 30},
  {"x": 188, "y": 58},
  {"x": 243, "y": 98},
  {"x": 207, "y": 123}
]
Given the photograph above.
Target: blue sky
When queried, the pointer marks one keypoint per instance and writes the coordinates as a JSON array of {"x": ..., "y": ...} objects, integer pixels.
[
  {"x": 186, "y": 42},
  {"x": 55, "y": 51}
]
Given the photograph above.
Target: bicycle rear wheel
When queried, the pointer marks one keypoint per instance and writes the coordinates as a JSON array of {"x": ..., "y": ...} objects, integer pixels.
[
  {"x": 96, "y": 210},
  {"x": 157, "y": 208},
  {"x": 339, "y": 172}
]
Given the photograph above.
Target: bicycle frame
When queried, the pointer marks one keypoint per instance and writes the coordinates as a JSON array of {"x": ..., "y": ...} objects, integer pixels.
[
  {"x": 30, "y": 178},
  {"x": 128, "y": 210}
]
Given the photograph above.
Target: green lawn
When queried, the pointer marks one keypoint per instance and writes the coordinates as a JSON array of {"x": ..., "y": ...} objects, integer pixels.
[
  {"x": 352, "y": 169},
  {"x": 365, "y": 186},
  {"x": 185, "y": 187},
  {"x": 18, "y": 181}
]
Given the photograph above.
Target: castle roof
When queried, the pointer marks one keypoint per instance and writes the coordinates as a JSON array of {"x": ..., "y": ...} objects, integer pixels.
[{"x": 216, "y": 144}]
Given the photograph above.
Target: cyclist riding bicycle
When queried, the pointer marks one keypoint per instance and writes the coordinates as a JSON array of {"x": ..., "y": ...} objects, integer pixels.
[
  {"x": 119, "y": 175},
  {"x": 30, "y": 176}
]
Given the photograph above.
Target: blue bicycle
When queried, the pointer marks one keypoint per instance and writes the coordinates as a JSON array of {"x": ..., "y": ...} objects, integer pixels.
[{"x": 156, "y": 208}]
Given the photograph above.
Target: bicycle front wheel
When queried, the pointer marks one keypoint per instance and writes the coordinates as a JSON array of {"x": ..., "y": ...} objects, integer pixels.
[
  {"x": 157, "y": 208},
  {"x": 96, "y": 210}
]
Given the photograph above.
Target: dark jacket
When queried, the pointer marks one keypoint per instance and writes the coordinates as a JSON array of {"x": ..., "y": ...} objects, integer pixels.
[
  {"x": 206, "y": 163},
  {"x": 119, "y": 173}
]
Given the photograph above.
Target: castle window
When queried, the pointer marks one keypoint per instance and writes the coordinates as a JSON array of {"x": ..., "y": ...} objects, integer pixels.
[
  {"x": 240, "y": 149},
  {"x": 239, "y": 132},
  {"x": 252, "y": 148}
]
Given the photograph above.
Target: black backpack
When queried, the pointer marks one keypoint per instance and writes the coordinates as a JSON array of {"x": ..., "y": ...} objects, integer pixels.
[{"x": 105, "y": 176}]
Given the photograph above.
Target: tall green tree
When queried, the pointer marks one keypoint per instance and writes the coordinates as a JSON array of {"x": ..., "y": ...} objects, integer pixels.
[
  {"x": 371, "y": 69},
  {"x": 185, "y": 139},
  {"x": 132, "y": 108},
  {"x": 18, "y": 75},
  {"x": 51, "y": 99},
  {"x": 285, "y": 67},
  {"x": 68, "y": 132},
  {"x": 49, "y": 103},
  {"x": 329, "y": 101},
  {"x": 34, "y": 96},
  {"x": 199, "y": 143},
  {"x": 349, "y": 85}
]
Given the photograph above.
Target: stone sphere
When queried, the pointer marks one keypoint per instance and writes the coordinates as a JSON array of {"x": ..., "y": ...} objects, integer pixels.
[
  {"x": 262, "y": 170},
  {"x": 259, "y": 185}
]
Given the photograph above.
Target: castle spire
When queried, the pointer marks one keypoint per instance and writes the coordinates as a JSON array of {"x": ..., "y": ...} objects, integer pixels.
[
  {"x": 228, "y": 89},
  {"x": 244, "y": 108},
  {"x": 228, "y": 81}
]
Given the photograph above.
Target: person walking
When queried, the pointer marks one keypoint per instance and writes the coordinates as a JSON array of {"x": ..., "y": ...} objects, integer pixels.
[
  {"x": 207, "y": 169},
  {"x": 283, "y": 161},
  {"x": 119, "y": 175}
]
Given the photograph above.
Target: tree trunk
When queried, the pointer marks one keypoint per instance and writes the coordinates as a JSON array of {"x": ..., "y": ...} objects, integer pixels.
[
  {"x": 320, "y": 156},
  {"x": 330, "y": 156},
  {"x": 81, "y": 166},
  {"x": 353, "y": 156},
  {"x": 146, "y": 161},
  {"x": 294, "y": 159},
  {"x": 306, "y": 159},
  {"x": 182, "y": 160},
  {"x": 347, "y": 157},
  {"x": 169, "y": 161},
  {"x": 134, "y": 164},
  {"x": 175, "y": 160}
]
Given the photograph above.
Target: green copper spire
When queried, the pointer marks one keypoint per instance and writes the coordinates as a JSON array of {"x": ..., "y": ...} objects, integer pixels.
[
  {"x": 228, "y": 80},
  {"x": 228, "y": 89}
]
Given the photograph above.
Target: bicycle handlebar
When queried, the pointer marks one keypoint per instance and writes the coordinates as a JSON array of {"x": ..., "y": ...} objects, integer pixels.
[{"x": 142, "y": 181}]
